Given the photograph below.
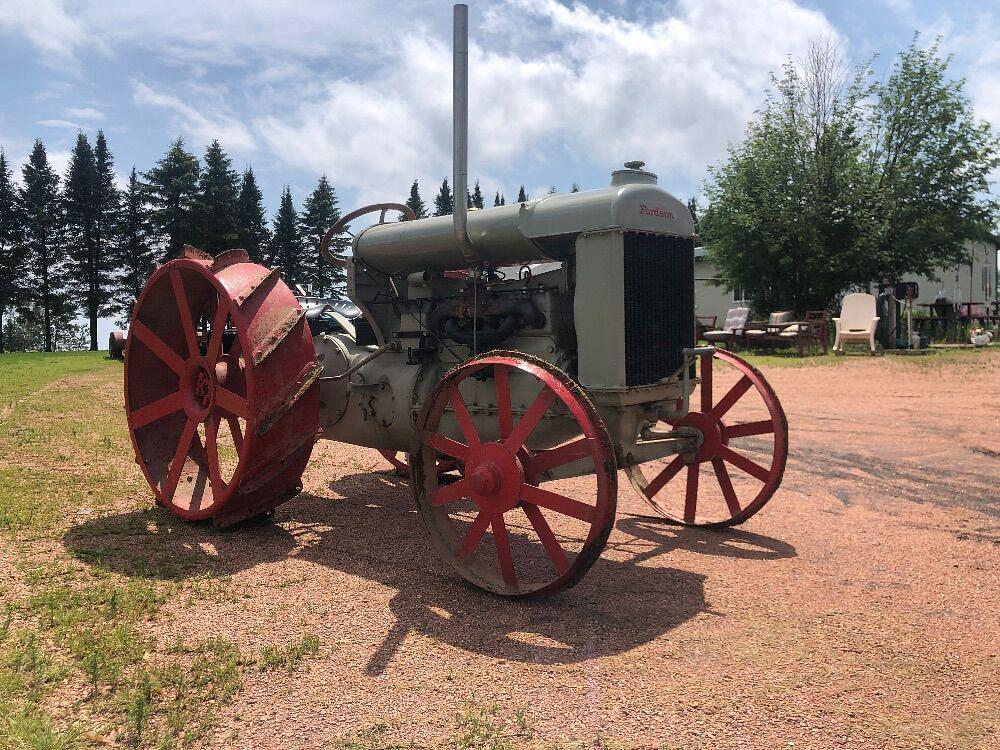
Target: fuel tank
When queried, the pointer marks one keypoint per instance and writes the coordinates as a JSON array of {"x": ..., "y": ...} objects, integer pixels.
[{"x": 541, "y": 229}]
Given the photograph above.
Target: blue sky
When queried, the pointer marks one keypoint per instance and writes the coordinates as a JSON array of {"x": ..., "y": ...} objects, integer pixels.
[{"x": 561, "y": 92}]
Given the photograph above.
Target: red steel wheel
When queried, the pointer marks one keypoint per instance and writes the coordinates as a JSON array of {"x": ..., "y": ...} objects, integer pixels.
[
  {"x": 220, "y": 400},
  {"x": 543, "y": 540},
  {"x": 741, "y": 494}
]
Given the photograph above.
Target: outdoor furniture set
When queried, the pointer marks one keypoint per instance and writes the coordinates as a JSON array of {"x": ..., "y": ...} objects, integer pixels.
[{"x": 779, "y": 330}]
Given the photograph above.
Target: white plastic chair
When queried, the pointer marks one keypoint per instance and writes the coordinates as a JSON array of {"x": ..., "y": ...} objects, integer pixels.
[{"x": 857, "y": 322}]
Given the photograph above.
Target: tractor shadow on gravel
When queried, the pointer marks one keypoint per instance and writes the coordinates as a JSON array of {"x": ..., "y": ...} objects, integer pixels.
[{"x": 368, "y": 528}]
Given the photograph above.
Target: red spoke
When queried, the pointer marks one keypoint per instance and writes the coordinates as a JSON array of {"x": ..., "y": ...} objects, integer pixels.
[
  {"x": 559, "y": 503},
  {"x": 661, "y": 479},
  {"x": 548, "y": 539},
  {"x": 722, "y": 474},
  {"x": 744, "y": 463},
  {"x": 450, "y": 493},
  {"x": 229, "y": 401},
  {"x": 750, "y": 428},
  {"x": 735, "y": 394},
  {"x": 234, "y": 428},
  {"x": 502, "y": 541},
  {"x": 530, "y": 419},
  {"x": 218, "y": 327},
  {"x": 156, "y": 410},
  {"x": 463, "y": 416},
  {"x": 706, "y": 383},
  {"x": 185, "y": 312},
  {"x": 564, "y": 454},
  {"x": 180, "y": 456},
  {"x": 476, "y": 532},
  {"x": 447, "y": 446},
  {"x": 691, "y": 493},
  {"x": 158, "y": 347},
  {"x": 506, "y": 418},
  {"x": 212, "y": 450}
]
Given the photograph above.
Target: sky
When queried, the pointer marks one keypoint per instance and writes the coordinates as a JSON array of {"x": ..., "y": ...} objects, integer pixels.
[{"x": 560, "y": 92}]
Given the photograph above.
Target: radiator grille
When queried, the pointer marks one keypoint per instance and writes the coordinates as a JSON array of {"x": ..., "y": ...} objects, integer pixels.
[{"x": 659, "y": 305}]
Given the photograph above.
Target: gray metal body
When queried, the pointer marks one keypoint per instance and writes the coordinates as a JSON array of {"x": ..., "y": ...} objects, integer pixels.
[{"x": 569, "y": 263}]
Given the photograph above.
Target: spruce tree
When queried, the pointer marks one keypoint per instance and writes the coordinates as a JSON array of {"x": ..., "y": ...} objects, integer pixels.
[
  {"x": 173, "y": 188},
  {"x": 476, "y": 197},
  {"x": 216, "y": 205},
  {"x": 13, "y": 254},
  {"x": 498, "y": 199},
  {"x": 252, "y": 232},
  {"x": 320, "y": 212},
  {"x": 135, "y": 254},
  {"x": 108, "y": 207},
  {"x": 80, "y": 212},
  {"x": 575, "y": 188},
  {"x": 286, "y": 243},
  {"x": 521, "y": 195},
  {"x": 444, "y": 203},
  {"x": 45, "y": 239},
  {"x": 416, "y": 203},
  {"x": 692, "y": 206}
]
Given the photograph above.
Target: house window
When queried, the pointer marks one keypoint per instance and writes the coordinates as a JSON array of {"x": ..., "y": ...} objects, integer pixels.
[{"x": 739, "y": 297}]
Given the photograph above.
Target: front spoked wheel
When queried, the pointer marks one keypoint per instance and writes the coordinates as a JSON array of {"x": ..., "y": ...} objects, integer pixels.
[
  {"x": 511, "y": 420},
  {"x": 741, "y": 460}
]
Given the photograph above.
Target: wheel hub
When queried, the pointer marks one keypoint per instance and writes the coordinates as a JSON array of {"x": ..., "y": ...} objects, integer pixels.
[
  {"x": 712, "y": 433},
  {"x": 495, "y": 477},
  {"x": 200, "y": 388}
]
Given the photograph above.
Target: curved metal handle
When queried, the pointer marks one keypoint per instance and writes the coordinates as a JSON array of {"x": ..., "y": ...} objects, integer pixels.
[{"x": 344, "y": 221}]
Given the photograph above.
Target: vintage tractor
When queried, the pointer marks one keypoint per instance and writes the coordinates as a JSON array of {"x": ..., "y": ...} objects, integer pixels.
[{"x": 519, "y": 356}]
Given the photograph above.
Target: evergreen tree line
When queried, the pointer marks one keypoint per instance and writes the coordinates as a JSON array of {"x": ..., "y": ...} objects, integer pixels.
[{"x": 78, "y": 245}]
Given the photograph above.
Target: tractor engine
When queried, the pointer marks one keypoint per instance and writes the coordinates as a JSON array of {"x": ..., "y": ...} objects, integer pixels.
[{"x": 598, "y": 283}]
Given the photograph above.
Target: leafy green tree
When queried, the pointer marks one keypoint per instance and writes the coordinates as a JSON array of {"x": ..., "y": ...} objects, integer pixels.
[
  {"x": 929, "y": 161},
  {"x": 320, "y": 212},
  {"x": 841, "y": 181},
  {"x": 444, "y": 203},
  {"x": 476, "y": 197},
  {"x": 252, "y": 232},
  {"x": 135, "y": 254},
  {"x": 416, "y": 203},
  {"x": 286, "y": 243},
  {"x": 521, "y": 195},
  {"x": 173, "y": 191},
  {"x": 215, "y": 207},
  {"x": 13, "y": 253},
  {"x": 44, "y": 234}
]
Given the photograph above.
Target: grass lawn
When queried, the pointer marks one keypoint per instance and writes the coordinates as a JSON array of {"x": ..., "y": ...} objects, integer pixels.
[{"x": 78, "y": 664}]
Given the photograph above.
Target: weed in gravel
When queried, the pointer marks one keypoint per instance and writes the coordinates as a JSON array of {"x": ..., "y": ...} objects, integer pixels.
[
  {"x": 373, "y": 739},
  {"x": 289, "y": 657},
  {"x": 481, "y": 727}
]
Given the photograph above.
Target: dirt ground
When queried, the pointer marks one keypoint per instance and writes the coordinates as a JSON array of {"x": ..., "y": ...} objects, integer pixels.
[{"x": 858, "y": 609}]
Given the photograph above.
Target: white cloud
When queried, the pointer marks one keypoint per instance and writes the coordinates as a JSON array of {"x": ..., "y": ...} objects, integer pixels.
[
  {"x": 47, "y": 25},
  {"x": 58, "y": 124},
  {"x": 193, "y": 122},
  {"x": 598, "y": 88},
  {"x": 552, "y": 83},
  {"x": 84, "y": 113}
]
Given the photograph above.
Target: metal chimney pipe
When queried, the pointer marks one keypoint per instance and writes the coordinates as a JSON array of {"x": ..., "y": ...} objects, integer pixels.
[{"x": 460, "y": 107}]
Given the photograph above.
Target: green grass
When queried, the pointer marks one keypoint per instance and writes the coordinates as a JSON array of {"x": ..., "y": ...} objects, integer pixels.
[
  {"x": 933, "y": 358},
  {"x": 70, "y": 628}
]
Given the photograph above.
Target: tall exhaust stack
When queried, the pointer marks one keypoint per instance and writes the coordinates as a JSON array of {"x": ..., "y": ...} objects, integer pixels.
[{"x": 460, "y": 108}]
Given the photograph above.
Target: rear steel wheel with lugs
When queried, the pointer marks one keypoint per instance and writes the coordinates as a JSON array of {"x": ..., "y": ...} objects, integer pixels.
[
  {"x": 220, "y": 393},
  {"x": 497, "y": 525}
]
